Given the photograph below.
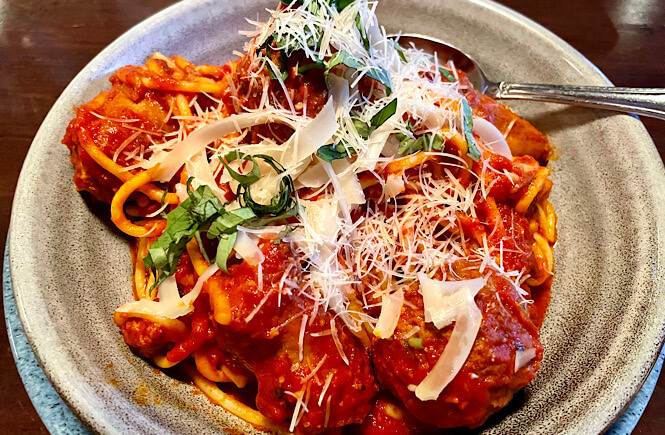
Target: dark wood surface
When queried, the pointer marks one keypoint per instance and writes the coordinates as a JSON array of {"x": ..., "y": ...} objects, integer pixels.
[{"x": 44, "y": 43}]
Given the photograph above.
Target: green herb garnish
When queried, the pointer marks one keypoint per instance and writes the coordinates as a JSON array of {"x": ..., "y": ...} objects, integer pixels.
[
  {"x": 467, "y": 124},
  {"x": 183, "y": 223},
  {"x": 384, "y": 114},
  {"x": 445, "y": 73},
  {"x": 400, "y": 50},
  {"x": 334, "y": 152},
  {"x": 282, "y": 202}
]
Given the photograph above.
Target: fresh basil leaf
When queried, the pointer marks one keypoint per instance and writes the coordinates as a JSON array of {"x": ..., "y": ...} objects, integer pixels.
[
  {"x": 285, "y": 232},
  {"x": 411, "y": 145},
  {"x": 445, "y": 73},
  {"x": 329, "y": 153},
  {"x": 278, "y": 204},
  {"x": 204, "y": 204},
  {"x": 384, "y": 114},
  {"x": 436, "y": 142},
  {"x": 228, "y": 221},
  {"x": 224, "y": 249},
  {"x": 197, "y": 235},
  {"x": 314, "y": 65},
  {"x": 182, "y": 223},
  {"x": 341, "y": 4},
  {"x": 283, "y": 74},
  {"x": 264, "y": 221},
  {"x": 362, "y": 32},
  {"x": 284, "y": 64},
  {"x": 157, "y": 258},
  {"x": 382, "y": 76},
  {"x": 362, "y": 128},
  {"x": 400, "y": 50},
  {"x": 250, "y": 178},
  {"x": 467, "y": 124}
]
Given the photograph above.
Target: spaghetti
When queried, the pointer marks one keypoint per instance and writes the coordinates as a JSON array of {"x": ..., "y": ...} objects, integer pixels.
[{"x": 339, "y": 223}]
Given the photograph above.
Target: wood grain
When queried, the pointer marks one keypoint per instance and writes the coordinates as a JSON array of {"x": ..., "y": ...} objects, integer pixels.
[{"x": 44, "y": 43}]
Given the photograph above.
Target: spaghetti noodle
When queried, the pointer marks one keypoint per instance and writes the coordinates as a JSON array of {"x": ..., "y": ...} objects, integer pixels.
[{"x": 337, "y": 222}]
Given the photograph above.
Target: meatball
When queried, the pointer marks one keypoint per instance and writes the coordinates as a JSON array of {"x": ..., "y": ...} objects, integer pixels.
[{"x": 487, "y": 380}]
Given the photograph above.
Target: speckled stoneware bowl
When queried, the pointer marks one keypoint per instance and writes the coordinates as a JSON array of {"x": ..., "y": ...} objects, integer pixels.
[{"x": 606, "y": 321}]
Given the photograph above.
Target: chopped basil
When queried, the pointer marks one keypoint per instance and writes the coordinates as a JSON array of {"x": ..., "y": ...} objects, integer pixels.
[
  {"x": 437, "y": 142},
  {"x": 285, "y": 232},
  {"x": 204, "y": 212},
  {"x": 226, "y": 242},
  {"x": 314, "y": 65},
  {"x": 445, "y": 73},
  {"x": 341, "y": 4},
  {"x": 227, "y": 222},
  {"x": 273, "y": 73},
  {"x": 362, "y": 128},
  {"x": 378, "y": 74},
  {"x": 400, "y": 50},
  {"x": 342, "y": 150},
  {"x": 384, "y": 114},
  {"x": 467, "y": 124},
  {"x": 250, "y": 178},
  {"x": 282, "y": 202},
  {"x": 197, "y": 235},
  {"x": 410, "y": 145},
  {"x": 362, "y": 32},
  {"x": 334, "y": 152},
  {"x": 264, "y": 221},
  {"x": 183, "y": 223},
  {"x": 426, "y": 142}
]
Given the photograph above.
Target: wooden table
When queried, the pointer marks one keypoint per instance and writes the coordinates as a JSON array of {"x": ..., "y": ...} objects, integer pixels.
[{"x": 43, "y": 44}]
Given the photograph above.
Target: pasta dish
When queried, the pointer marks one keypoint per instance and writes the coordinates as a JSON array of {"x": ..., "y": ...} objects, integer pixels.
[{"x": 330, "y": 231}]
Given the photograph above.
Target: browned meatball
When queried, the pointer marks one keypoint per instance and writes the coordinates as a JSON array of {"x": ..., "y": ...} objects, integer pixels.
[
  {"x": 486, "y": 381},
  {"x": 335, "y": 393}
]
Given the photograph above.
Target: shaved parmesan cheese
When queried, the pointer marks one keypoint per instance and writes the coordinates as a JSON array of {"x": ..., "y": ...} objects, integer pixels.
[
  {"x": 170, "y": 304},
  {"x": 199, "y": 168},
  {"x": 491, "y": 137},
  {"x": 264, "y": 190},
  {"x": 315, "y": 176},
  {"x": 322, "y": 217},
  {"x": 348, "y": 180},
  {"x": 181, "y": 191},
  {"x": 306, "y": 141},
  {"x": 170, "y": 162},
  {"x": 391, "y": 308},
  {"x": 523, "y": 357},
  {"x": 394, "y": 185},
  {"x": 377, "y": 141},
  {"x": 341, "y": 197},
  {"x": 339, "y": 90},
  {"x": 190, "y": 297},
  {"x": 247, "y": 249},
  {"x": 467, "y": 325},
  {"x": 443, "y": 300},
  {"x": 446, "y": 302}
]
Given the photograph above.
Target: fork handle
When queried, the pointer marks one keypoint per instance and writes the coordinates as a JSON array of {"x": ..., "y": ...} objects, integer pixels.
[{"x": 640, "y": 101}]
